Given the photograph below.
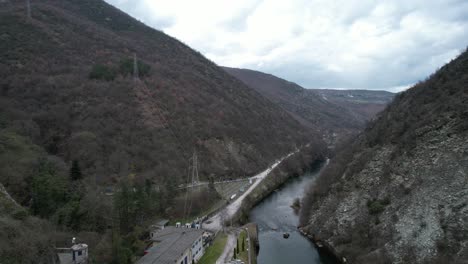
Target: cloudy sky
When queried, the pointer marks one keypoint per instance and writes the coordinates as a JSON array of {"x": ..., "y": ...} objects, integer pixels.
[{"x": 317, "y": 43}]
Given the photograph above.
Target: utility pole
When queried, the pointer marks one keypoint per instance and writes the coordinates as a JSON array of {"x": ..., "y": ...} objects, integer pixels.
[{"x": 195, "y": 178}]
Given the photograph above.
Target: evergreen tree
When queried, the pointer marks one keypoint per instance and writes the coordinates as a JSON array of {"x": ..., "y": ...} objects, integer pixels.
[
  {"x": 243, "y": 244},
  {"x": 48, "y": 192},
  {"x": 123, "y": 205},
  {"x": 237, "y": 247},
  {"x": 235, "y": 254},
  {"x": 75, "y": 171},
  {"x": 171, "y": 189},
  {"x": 211, "y": 185}
]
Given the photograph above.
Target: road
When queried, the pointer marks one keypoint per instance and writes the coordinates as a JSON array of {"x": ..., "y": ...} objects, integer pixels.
[
  {"x": 214, "y": 223},
  {"x": 227, "y": 254}
]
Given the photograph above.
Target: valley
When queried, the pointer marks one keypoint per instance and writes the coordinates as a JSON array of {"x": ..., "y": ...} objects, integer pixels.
[{"x": 121, "y": 144}]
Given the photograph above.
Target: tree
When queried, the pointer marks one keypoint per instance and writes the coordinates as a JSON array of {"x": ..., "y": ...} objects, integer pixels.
[
  {"x": 127, "y": 67},
  {"x": 171, "y": 189},
  {"x": 49, "y": 190},
  {"x": 121, "y": 253},
  {"x": 75, "y": 171},
  {"x": 243, "y": 244},
  {"x": 123, "y": 205},
  {"x": 102, "y": 72},
  {"x": 237, "y": 246},
  {"x": 211, "y": 185},
  {"x": 235, "y": 256}
]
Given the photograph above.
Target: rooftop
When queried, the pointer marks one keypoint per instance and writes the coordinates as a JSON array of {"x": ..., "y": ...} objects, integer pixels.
[
  {"x": 172, "y": 243},
  {"x": 161, "y": 222}
]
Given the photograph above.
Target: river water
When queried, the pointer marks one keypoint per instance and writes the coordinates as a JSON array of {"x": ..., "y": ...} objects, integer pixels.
[{"x": 275, "y": 216}]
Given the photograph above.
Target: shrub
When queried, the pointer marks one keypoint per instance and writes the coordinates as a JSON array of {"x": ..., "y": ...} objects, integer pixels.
[
  {"x": 375, "y": 207},
  {"x": 20, "y": 214},
  {"x": 102, "y": 72},
  {"x": 126, "y": 68}
]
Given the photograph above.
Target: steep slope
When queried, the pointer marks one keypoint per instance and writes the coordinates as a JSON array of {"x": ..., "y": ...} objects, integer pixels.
[
  {"x": 66, "y": 83},
  {"x": 25, "y": 239},
  {"x": 328, "y": 111},
  {"x": 364, "y": 104},
  {"x": 399, "y": 193}
]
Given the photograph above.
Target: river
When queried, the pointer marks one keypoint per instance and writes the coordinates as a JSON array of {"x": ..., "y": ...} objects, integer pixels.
[{"x": 275, "y": 216}]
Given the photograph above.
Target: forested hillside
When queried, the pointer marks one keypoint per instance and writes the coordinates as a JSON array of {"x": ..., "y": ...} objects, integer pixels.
[
  {"x": 333, "y": 113},
  {"x": 82, "y": 132},
  {"x": 398, "y": 193},
  {"x": 67, "y": 86}
]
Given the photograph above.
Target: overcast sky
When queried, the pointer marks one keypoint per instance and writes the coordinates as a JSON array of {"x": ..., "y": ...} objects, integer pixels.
[{"x": 317, "y": 43}]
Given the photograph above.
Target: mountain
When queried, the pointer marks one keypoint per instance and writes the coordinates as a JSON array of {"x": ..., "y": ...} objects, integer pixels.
[
  {"x": 100, "y": 117},
  {"x": 398, "y": 192},
  {"x": 67, "y": 86},
  {"x": 331, "y": 112},
  {"x": 364, "y": 104}
]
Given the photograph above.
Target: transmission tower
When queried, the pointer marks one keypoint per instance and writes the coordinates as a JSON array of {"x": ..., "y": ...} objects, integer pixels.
[{"x": 194, "y": 179}]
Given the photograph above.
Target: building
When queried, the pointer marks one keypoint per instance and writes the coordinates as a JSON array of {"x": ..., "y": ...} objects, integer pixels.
[
  {"x": 76, "y": 254},
  {"x": 173, "y": 245},
  {"x": 158, "y": 226}
]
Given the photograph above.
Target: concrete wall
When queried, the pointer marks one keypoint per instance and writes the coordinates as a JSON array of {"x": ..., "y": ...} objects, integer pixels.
[
  {"x": 197, "y": 249},
  {"x": 187, "y": 254}
]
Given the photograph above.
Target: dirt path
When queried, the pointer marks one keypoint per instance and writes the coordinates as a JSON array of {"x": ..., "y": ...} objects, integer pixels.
[{"x": 228, "y": 249}]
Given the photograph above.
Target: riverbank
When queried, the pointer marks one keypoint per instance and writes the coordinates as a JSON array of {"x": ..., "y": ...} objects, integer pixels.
[
  {"x": 297, "y": 164},
  {"x": 280, "y": 240},
  {"x": 236, "y": 213},
  {"x": 217, "y": 221},
  {"x": 324, "y": 248}
]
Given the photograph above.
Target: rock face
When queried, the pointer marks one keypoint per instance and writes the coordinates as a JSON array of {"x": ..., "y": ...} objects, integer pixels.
[{"x": 399, "y": 193}]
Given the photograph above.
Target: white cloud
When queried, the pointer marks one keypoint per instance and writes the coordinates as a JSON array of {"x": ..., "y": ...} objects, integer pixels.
[{"x": 320, "y": 43}]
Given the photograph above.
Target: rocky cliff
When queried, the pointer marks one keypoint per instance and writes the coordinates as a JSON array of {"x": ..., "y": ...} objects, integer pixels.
[{"x": 399, "y": 192}]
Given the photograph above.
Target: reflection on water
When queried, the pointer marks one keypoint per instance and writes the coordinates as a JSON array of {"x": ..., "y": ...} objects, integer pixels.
[{"x": 275, "y": 216}]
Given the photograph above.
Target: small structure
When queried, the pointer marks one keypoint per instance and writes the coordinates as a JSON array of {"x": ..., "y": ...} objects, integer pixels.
[
  {"x": 207, "y": 239},
  {"x": 158, "y": 226},
  {"x": 76, "y": 254},
  {"x": 109, "y": 191},
  {"x": 175, "y": 246}
]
